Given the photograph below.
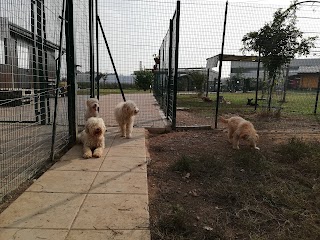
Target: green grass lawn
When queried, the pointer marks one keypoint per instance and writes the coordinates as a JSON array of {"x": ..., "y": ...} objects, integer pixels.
[
  {"x": 296, "y": 103},
  {"x": 111, "y": 91}
]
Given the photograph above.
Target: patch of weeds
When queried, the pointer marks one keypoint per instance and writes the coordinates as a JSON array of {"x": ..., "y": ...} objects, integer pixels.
[
  {"x": 208, "y": 164},
  {"x": 158, "y": 148},
  {"x": 176, "y": 222},
  {"x": 184, "y": 164},
  {"x": 295, "y": 150},
  {"x": 250, "y": 161},
  {"x": 274, "y": 114}
]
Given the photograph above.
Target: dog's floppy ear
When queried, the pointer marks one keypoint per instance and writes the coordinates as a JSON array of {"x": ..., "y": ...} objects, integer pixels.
[
  {"x": 125, "y": 108},
  {"x": 257, "y": 136}
]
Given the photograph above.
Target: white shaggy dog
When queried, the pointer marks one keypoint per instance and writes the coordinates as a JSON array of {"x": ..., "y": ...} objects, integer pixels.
[
  {"x": 240, "y": 128},
  {"x": 124, "y": 113},
  {"x": 92, "y": 137},
  {"x": 92, "y": 108}
]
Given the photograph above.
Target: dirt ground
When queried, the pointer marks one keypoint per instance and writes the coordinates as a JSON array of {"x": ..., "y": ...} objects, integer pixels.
[{"x": 200, "y": 202}]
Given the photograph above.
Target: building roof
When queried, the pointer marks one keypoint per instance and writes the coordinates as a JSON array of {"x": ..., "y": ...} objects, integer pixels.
[
  {"x": 309, "y": 69},
  {"x": 213, "y": 61}
]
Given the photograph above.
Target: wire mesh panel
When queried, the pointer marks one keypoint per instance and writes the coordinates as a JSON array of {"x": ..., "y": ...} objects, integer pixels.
[
  {"x": 82, "y": 51},
  {"x": 134, "y": 31},
  {"x": 201, "y": 30},
  {"x": 165, "y": 81},
  {"x": 286, "y": 94},
  {"x": 29, "y": 43}
]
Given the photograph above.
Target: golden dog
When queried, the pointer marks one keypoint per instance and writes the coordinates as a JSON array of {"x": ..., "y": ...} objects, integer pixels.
[
  {"x": 92, "y": 138},
  {"x": 125, "y": 113},
  {"x": 92, "y": 108},
  {"x": 239, "y": 128}
]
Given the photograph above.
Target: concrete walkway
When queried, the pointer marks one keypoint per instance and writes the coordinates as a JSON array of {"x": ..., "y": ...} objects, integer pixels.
[{"x": 86, "y": 199}]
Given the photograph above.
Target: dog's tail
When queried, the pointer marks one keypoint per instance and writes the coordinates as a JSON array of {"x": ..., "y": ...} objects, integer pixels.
[{"x": 223, "y": 120}]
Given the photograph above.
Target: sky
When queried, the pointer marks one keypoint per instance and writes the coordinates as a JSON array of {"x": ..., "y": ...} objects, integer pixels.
[{"x": 135, "y": 29}]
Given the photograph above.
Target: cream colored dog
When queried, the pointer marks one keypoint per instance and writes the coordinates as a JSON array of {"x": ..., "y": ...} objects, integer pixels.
[
  {"x": 240, "y": 128},
  {"x": 125, "y": 113},
  {"x": 92, "y": 108},
  {"x": 92, "y": 138}
]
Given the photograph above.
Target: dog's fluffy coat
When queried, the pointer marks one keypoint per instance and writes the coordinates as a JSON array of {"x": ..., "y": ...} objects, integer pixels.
[
  {"x": 125, "y": 113},
  {"x": 92, "y": 137},
  {"x": 92, "y": 108},
  {"x": 239, "y": 128}
]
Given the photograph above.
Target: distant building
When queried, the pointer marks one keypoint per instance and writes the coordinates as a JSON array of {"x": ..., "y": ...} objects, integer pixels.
[
  {"x": 303, "y": 73},
  {"x": 111, "y": 78},
  {"x": 185, "y": 83},
  {"x": 17, "y": 63}
]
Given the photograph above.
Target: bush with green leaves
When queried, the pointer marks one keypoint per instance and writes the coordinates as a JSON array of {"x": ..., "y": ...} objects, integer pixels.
[{"x": 143, "y": 79}]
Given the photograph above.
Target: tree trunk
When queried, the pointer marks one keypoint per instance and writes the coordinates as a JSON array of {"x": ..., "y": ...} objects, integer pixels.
[
  {"x": 270, "y": 92},
  {"x": 285, "y": 85}
]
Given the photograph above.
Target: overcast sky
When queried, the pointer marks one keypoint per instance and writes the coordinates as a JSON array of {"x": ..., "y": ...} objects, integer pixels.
[{"x": 135, "y": 29}]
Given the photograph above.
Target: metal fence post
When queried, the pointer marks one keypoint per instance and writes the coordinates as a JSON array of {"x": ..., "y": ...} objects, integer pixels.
[
  {"x": 91, "y": 41},
  {"x": 97, "y": 51},
  {"x": 220, "y": 65},
  {"x": 175, "y": 85},
  {"x": 71, "y": 76},
  {"x": 317, "y": 96}
]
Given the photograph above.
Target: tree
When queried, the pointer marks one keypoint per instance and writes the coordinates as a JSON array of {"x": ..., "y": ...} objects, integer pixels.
[
  {"x": 198, "y": 80},
  {"x": 143, "y": 79},
  {"x": 278, "y": 42}
]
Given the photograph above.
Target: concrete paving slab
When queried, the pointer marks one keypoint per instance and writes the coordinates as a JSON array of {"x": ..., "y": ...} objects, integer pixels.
[
  {"x": 42, "y": 210},
  {"x": 78, "y": 153},
  {"x": 96, "y": 198},
  {"x": 78, "y": 164},
  {"x": 109, "y": 235},
  {"x": 32, "y": 234},
  {"x": 122, "y": 151},
  {"x": 120, "y": 182},
  {"x": 63, "y": 181},
  {"x": 123, "y": 164},
  {"x": 113, "y": 211}
]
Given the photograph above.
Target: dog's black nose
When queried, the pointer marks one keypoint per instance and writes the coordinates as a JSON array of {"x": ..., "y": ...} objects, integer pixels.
[{"x": 97, "y": 131}]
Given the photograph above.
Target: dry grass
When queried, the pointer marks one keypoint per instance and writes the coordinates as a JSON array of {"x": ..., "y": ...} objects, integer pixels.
[{"x": 202, "y": 192}]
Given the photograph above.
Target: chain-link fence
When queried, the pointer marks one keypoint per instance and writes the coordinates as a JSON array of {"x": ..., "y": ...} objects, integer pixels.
[
  {"x": 29, "y": 51},
  {"x": 54, "y": 56},
  {"x": 291, "y": 94}
]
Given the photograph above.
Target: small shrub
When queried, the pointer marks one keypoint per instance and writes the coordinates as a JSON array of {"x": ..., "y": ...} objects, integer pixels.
[
  {"x": 251, "y": 161},
  {"x": 295, "y": 150},
  {"x": 176, "y": 222},
  {"x": 184, "y": 164}
]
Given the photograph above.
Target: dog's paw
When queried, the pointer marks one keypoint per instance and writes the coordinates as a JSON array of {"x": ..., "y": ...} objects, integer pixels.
[
  {"x": 97, "y": 155},
  {"x": 129, "y": 136},
  {"x": 257, "y": 148},
  {"x": 87, "y": 155}
]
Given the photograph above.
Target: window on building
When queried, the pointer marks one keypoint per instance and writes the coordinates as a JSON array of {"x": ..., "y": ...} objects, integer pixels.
[{"x": 23, "y": 55}]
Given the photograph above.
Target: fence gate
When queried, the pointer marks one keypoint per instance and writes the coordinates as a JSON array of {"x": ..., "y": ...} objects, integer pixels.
[{"x": 165, "y": 84}]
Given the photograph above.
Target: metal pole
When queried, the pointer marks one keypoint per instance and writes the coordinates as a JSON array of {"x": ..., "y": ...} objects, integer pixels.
[
  {"x": 114, "y": 67},
  {"x": 97, "y": 52},
  {"x": 175, "y": 79},
  {"x": 34, "y": 60},
  {"x": 170, "y": 73},
  {"x": 220, "y": 65},
  {"x": 54, "y": 127},
  {"x": 91, "y": 49},
  {"x": 257, "y": 84},
  {"x": 317, "y": 97},
  {"x": 208, "y": 75},
  {"x": 71, "y": 76}
]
